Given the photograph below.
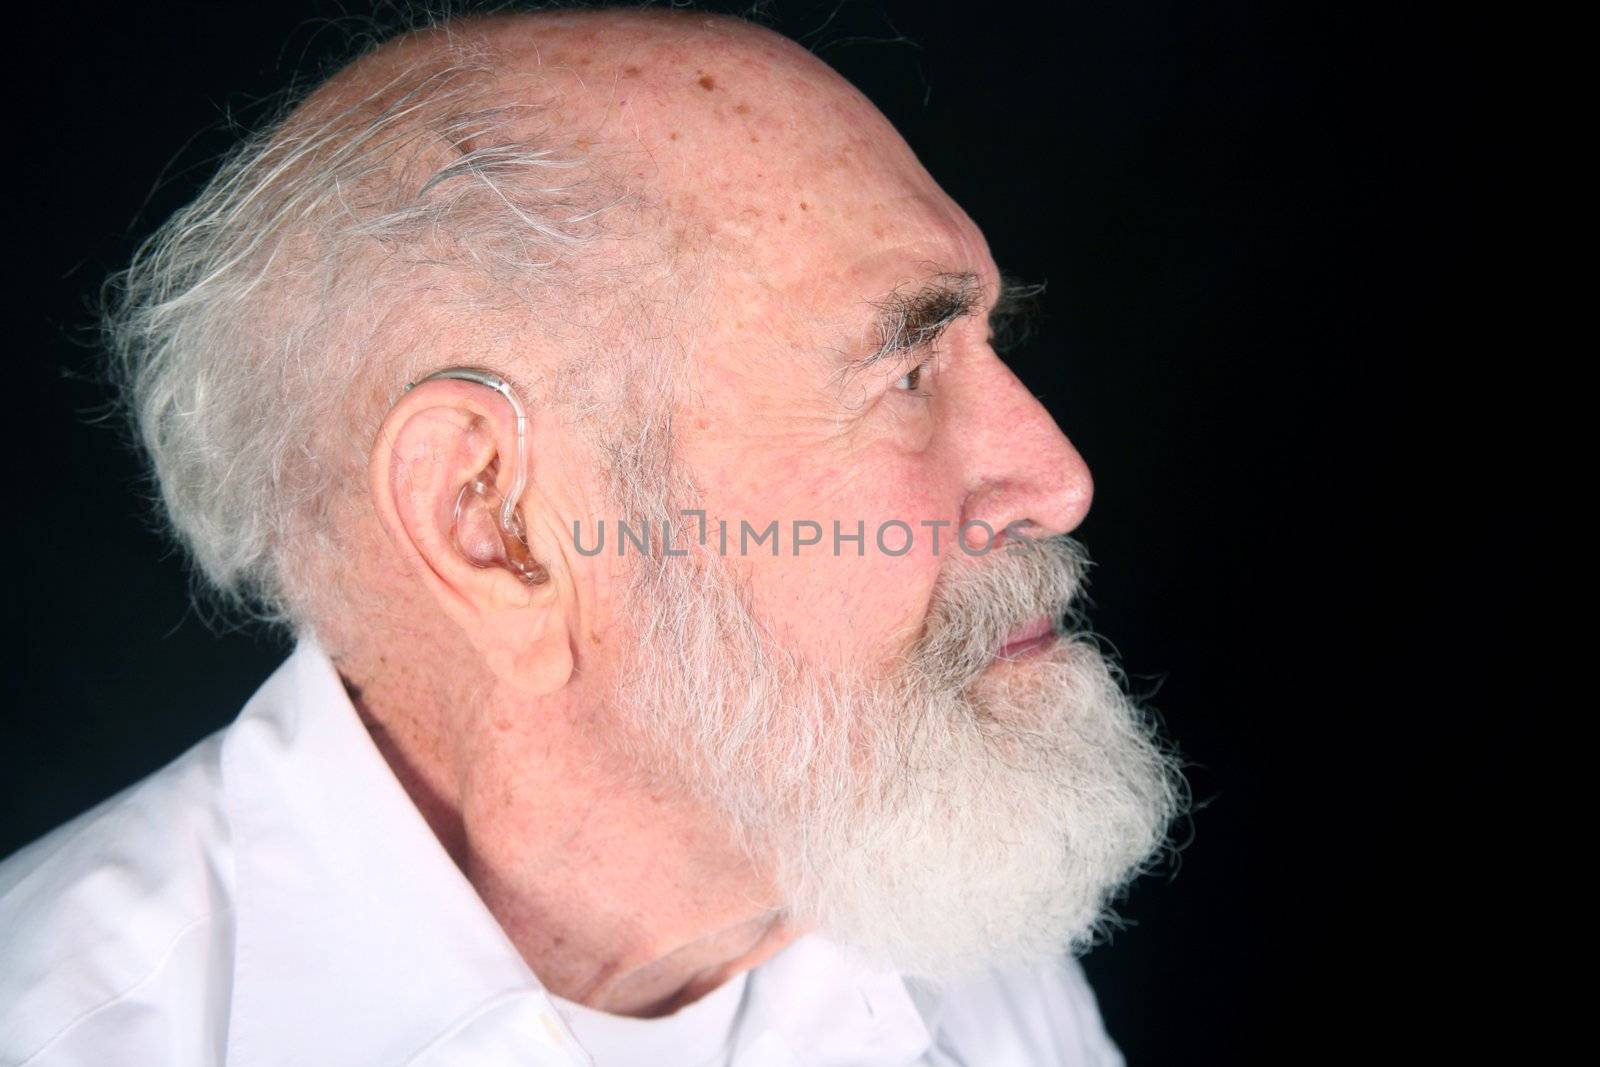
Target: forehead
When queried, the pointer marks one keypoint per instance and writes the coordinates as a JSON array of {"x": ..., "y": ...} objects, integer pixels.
[{"x": 775, "y": 171}]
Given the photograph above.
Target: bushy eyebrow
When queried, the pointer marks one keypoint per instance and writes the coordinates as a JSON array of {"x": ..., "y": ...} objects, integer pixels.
[{"x": 909, "y": 321}]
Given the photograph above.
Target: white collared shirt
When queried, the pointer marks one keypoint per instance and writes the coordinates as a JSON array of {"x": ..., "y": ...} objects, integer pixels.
[{"x": 273, "y": 898}]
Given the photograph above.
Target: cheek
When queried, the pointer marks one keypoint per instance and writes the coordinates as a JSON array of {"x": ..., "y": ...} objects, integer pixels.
[{"x": 849, "y": 600}]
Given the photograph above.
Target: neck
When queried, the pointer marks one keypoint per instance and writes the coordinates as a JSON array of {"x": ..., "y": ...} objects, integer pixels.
[{"x": 618, "y": 897}]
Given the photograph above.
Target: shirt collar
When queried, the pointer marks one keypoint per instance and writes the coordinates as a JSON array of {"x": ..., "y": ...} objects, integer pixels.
[
  {"x": 827, "y": 1007},
  {"x": 361, "y": 943},
  {"x": 696, "y": 1033}
]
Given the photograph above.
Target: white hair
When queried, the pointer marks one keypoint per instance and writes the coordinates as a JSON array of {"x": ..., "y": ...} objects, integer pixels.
[
  {"x": 257, "y": 336},
  {"x": 946, "y": 816}
]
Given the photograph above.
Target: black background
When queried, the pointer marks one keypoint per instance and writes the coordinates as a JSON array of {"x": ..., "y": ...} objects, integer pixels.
[{"x": 1209, "y": 190}]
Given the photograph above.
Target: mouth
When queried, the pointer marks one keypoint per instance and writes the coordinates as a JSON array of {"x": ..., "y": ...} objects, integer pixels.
[{"x": 1029, "y": 638}]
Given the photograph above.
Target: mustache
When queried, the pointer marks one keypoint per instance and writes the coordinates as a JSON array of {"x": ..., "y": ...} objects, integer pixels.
[{"x": 977, "y": 603}]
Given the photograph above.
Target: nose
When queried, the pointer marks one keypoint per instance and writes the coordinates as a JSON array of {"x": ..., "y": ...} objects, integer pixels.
[{"x": 1021, "y": 471}]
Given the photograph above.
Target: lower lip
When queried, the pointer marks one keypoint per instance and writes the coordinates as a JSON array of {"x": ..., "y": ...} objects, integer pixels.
[{"x": 1029, "y": 644}]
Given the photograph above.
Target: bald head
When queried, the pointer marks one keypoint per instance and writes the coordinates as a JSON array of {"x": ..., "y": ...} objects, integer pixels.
[
  {"x": 578, "y": 198},
  {"x": 443, "y": 193},
  {"x": 740, "y": 138}
]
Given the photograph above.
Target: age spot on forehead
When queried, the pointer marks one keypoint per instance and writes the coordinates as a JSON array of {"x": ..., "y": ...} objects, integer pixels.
[{"x": 707, "y": 82}]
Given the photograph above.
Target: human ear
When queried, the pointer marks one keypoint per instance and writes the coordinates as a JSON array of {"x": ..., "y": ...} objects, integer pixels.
[{"x": 440, "y": 471}]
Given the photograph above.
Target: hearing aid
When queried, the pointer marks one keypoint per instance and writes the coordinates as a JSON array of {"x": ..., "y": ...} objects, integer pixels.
[{"x": 517, "y": 554}]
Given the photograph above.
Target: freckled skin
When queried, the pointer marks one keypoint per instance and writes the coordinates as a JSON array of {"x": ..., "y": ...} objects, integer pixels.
[{"x": 781, "y": 439}]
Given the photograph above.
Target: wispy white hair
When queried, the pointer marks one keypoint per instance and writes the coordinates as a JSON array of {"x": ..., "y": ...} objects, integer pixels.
[{"x": 257, "y": 333}]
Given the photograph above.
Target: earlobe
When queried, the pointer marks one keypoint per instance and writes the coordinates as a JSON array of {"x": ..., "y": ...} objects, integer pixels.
[{"x": 529, "y": 650}]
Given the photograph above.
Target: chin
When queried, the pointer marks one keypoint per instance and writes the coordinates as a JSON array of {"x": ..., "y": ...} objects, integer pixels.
[{"x": 998, "y": 829}]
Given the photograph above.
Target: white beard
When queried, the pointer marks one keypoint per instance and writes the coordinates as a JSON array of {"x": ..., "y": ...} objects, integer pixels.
[{"x": 951, "y": 816}]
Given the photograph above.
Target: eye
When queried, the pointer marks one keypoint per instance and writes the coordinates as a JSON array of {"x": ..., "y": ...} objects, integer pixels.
[{"x": 912, "y": 380}]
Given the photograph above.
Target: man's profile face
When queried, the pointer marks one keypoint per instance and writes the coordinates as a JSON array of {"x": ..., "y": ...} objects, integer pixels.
[{"x": 815, "y": 226}]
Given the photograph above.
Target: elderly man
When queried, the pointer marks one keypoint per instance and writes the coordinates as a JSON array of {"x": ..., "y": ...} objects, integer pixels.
[{"x": 608, "y": 402}]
